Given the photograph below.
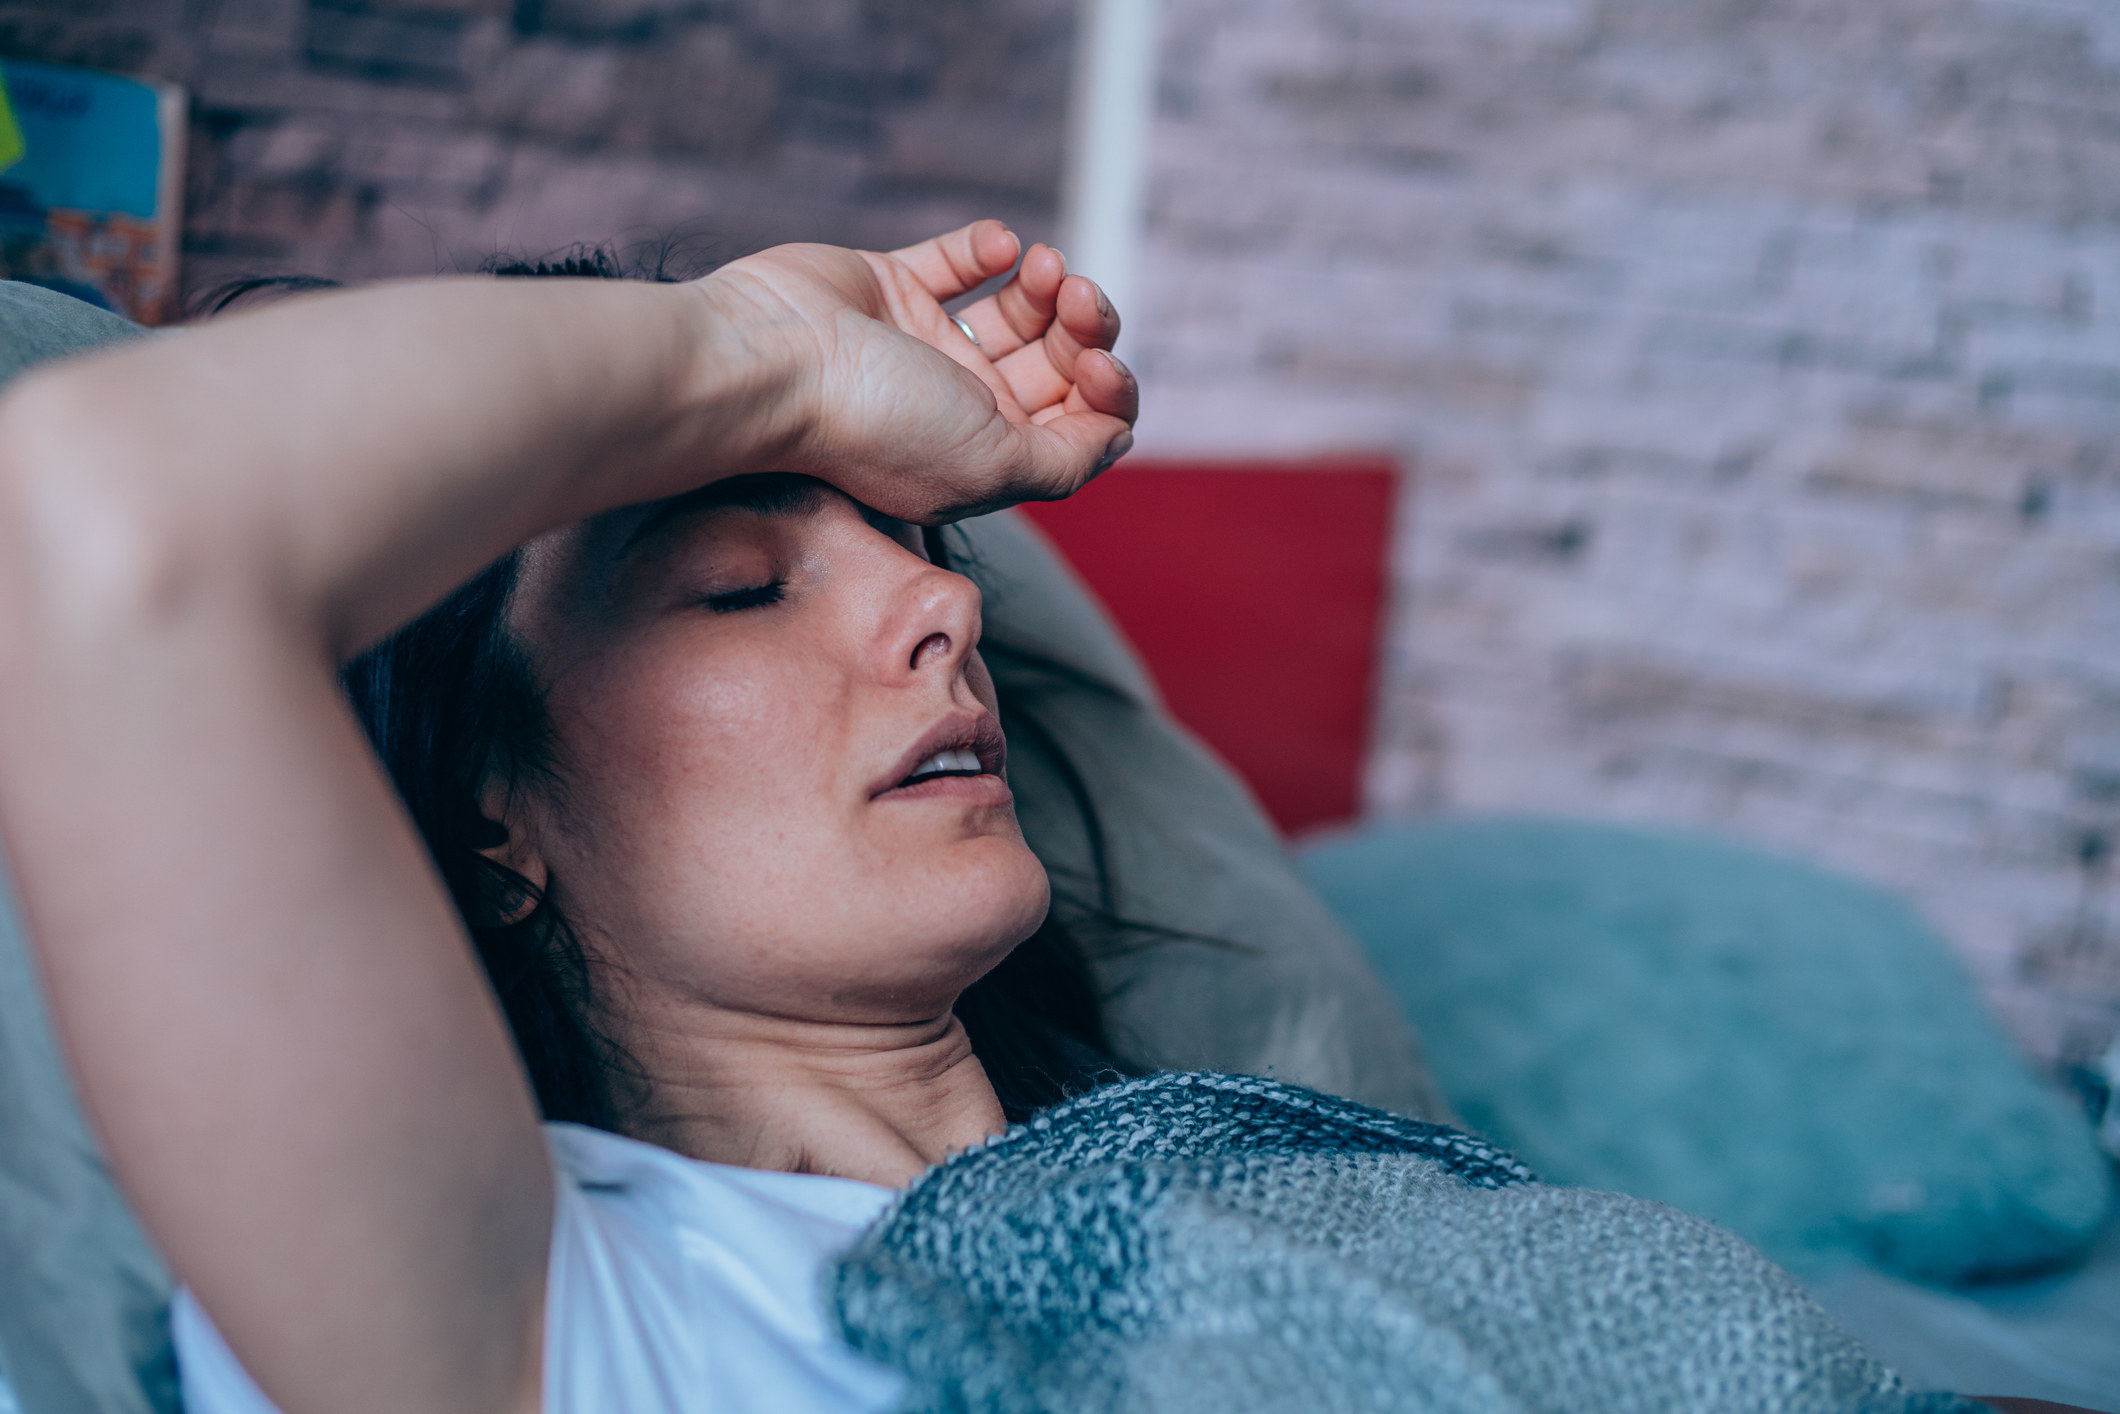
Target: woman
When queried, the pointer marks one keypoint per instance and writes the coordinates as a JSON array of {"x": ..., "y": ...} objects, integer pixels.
[
  {"x": 712, "y": 770},
  {"x": 774, "y": 733}
]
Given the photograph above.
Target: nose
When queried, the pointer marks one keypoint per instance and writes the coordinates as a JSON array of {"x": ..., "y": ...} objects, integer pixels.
[
  {"x": 933, "y": 625},
  {"x": 933, "y": 646}
]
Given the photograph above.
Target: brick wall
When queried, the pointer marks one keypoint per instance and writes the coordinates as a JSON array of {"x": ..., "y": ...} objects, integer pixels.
[
  {"x": 353, "y": 138},
  {"x": 1760, "y": 364}
]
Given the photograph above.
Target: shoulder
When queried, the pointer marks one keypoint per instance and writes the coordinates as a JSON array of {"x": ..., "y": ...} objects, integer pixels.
[
  {"x": 674, "y": 1287},
  {"x": 697, "y": 1230},
  {"x": 668, "y": 1273}
]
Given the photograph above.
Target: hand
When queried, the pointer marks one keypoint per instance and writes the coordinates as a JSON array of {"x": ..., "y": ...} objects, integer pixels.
[
  {"x": 897, "y": 407},
  {"x": 1028, "y": 338}
]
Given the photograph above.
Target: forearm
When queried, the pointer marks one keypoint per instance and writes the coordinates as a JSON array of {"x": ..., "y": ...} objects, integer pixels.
[
  {"x": 275, "y": 1021},
  {"x": 274, "y": 1015},
  {"x": 349, "y": 457}
]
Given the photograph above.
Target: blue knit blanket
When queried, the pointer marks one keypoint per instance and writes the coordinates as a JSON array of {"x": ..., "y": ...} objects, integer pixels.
[{"x": 1199, "y": 1242}]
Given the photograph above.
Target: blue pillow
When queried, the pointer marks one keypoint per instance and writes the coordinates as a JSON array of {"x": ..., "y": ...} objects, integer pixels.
[{"x": 1765, "y": 1044}]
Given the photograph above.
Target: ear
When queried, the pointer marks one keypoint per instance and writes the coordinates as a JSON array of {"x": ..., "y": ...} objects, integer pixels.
[{"x": 516, "y": 849}]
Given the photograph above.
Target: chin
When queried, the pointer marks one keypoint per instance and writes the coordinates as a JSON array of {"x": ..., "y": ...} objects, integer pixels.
[
  {"x": 984, "y": 903},
  {"x": 1008, "y": 895}
]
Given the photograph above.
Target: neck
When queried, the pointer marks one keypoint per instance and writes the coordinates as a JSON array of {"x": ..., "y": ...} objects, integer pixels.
[{"x": 878, "y": 1102}]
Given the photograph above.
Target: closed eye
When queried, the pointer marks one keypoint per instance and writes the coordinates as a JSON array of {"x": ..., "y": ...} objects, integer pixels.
[{"x": 756, "y": 597}]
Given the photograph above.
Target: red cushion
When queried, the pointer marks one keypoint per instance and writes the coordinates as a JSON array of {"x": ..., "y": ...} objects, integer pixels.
[{"x": 1254, "y": 591}]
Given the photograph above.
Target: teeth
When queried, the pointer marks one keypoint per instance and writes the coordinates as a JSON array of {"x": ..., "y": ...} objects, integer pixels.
[{"x": 943, "y": 761}]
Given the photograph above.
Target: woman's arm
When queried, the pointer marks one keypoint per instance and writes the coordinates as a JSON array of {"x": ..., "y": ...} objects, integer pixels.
[{"x": 272, "y": 1010}]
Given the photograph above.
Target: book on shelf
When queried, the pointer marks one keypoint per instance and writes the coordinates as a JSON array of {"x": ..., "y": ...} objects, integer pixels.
[{"x": 92, "y": 185}]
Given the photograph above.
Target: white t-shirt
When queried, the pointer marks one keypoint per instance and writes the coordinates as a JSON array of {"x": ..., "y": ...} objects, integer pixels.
[{"x": 675, "y": 1287}]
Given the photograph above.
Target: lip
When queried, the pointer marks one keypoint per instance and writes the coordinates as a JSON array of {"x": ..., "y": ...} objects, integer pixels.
[{"x": 976, "y": 732}]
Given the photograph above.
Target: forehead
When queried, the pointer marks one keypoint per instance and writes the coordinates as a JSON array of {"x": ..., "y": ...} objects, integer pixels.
[
  {"x": 604, "y": 546},
  {"x": 638, "y": 528},
  {"x": 584, "y": 567}
]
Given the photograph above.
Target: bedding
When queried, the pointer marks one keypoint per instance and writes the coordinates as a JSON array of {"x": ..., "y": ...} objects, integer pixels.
[
  {"x": 37, "y": 325},
  {"x": 2055, "y": 1337},
  {"x": 83, "y": 1296},
  {"x": 1220, "y": 1244}
]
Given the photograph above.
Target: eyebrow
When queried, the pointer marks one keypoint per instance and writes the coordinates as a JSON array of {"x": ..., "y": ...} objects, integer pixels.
[{"x": 770, "y": 493}]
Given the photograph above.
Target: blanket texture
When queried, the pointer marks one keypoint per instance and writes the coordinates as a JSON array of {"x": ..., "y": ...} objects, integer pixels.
[{"x": 1202, "y": 1242}]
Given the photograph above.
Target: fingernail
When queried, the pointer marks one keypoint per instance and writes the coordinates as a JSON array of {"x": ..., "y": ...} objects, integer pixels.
[
  {"x": 1119, "y": 447},
  {"x": 1121, "y": 369},
  {"x": 1104, "y": 304},
  {"x": 1063, "y": 257}
]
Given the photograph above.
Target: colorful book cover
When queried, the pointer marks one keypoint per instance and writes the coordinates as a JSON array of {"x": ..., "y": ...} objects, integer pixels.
[{"x": 90, "y": 203}]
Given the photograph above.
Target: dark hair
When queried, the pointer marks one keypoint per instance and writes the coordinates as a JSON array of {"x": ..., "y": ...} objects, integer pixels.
[
  {"x": 447, "y": 701},
  {"x": 450, "y": 702}
]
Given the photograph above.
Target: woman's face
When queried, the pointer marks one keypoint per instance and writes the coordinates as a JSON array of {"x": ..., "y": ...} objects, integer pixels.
[{"x": 779, "y": 783}]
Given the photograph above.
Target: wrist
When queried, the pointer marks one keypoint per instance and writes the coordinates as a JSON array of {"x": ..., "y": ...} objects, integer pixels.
[{"x": 752, "y": 374}]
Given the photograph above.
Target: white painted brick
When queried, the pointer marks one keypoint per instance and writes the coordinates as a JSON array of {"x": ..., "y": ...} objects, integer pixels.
[{"x": 1759, "y": 370}]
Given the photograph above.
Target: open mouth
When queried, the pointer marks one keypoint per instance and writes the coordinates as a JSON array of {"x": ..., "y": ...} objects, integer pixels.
[
  {"x": 961, "y": 756},
  {"x": 942, "y": 764}
]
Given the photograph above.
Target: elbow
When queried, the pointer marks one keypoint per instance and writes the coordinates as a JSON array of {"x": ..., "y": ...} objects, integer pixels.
[{"x": 89, "y": 545}]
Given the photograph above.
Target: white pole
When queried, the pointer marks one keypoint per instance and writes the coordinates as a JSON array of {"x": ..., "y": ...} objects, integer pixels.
[{"x": 1104, "y": 195}]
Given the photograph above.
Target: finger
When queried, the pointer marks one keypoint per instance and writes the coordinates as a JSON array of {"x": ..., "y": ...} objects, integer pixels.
[
  {"x": 1061, "y": 456},
  {"x": 1002, "y": 464},
  {"x": 1040, "y": 374},
  {"x": 1102, "y": 384},
  {"x": 1021, "y": 310},
  {"x": 1084, "y": 320},
  {"x": 964, "y": 259},
  {"x": 1086, "y": 313},
  {"x": 1106, "y": 385},
  {"x": 1011, "y": 460},
  {"x": 912, "y": 310}
]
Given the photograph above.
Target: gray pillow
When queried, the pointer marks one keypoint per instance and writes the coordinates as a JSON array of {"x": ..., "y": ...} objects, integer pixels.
[
  {"x": 83, "y": 1296},
  {"x": 1275, "y": 987},
  {"x": 37, "y": 325}
]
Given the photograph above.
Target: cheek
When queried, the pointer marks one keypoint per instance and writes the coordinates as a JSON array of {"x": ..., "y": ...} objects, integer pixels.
[
  {"x": 690, "y": 788},
  {"x": 714, "y": 831}
]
